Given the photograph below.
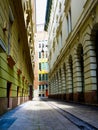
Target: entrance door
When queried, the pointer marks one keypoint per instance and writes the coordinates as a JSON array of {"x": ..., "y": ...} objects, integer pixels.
[
  {"x": 18, "y": 95},
  {"x": 46, "y": 90},
  {"x": 8, "y": 93},
  {"x": 30, "y": 92},
  {"x": 46, "y": 93}
]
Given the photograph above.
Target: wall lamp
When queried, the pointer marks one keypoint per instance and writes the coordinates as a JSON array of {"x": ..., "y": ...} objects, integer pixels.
[{"x": 42, "y": 50}]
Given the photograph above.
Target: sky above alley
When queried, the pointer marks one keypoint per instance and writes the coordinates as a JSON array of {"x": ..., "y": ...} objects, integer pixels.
[{"x": 40, "y": 14}]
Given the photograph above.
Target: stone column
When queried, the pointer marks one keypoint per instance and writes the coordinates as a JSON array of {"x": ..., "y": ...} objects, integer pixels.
[
  {"x": 54, "y": 84},
  {"x": 90, "y": 71},
  {"x": 77, "y": 74},
  {"x": 63, "y": 78},
  {"x": 59, "y": 83}
]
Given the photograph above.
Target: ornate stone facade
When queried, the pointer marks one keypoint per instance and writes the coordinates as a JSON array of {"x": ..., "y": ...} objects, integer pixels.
[{"x": 73, "y": 37}]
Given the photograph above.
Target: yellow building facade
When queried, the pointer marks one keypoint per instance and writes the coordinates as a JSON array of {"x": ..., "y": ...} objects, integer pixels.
[
  {"x": 41, "y": 64},
  {"x": 16, "y": 73}
]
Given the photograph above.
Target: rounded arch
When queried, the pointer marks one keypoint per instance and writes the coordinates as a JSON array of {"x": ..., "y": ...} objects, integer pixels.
[
  {"x": 64, "y": 68},
  {"x": 60, "y": 71},
  {"x": 80, "y": 50},
  {"x": 94, "y": 39},
  {"x": 94, "y": 31},
  {"x": 80, "y": 56}
]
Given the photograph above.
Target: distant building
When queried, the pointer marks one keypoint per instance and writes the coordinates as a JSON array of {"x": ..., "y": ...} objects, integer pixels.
[
  {"x": 41, "y": 65},
  {"x": 16, "y": 38},
  {"x": 73, "y": 50}
]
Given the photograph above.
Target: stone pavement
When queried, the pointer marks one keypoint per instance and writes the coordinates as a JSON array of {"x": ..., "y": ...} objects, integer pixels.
[
  {"x": 35, "y": 115},
  {"x": 38, "y": 115},
  {"x": 87, "y": 113}
]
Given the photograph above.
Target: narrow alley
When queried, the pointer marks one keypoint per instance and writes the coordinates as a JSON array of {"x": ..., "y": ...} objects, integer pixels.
[
  {"x": 48, "y": 64},
  {"x": 43, "y": 114}
]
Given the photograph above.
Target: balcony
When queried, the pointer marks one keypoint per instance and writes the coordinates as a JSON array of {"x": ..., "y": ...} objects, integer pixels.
[
  {"x": 23, "y": 78},
  {"x": 11, "y": 61},
  {"x": 19, "y": 72}
]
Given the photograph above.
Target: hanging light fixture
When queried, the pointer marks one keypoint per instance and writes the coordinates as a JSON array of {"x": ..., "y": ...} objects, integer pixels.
[{"x": 42, "y": 49}]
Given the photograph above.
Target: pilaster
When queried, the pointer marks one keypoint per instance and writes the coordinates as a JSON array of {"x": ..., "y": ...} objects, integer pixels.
[{"x": 63, "y": 78}]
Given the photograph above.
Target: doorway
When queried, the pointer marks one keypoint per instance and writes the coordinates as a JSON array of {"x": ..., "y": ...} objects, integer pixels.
[
  {"x": 94, "y": 38},
  {"x": 8, "y": 94},
  {"x": 18, "y": 95}
]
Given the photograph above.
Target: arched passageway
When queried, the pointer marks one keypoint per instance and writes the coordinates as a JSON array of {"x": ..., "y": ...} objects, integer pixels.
[
  {"x": 81, "y": 72},
  {"x": 94, "y": 38}
]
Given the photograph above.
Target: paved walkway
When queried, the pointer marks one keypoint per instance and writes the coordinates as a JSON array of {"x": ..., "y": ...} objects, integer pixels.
[
  {"x": 38, "y": 115},
  {"x": 86, "y": 113}
]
